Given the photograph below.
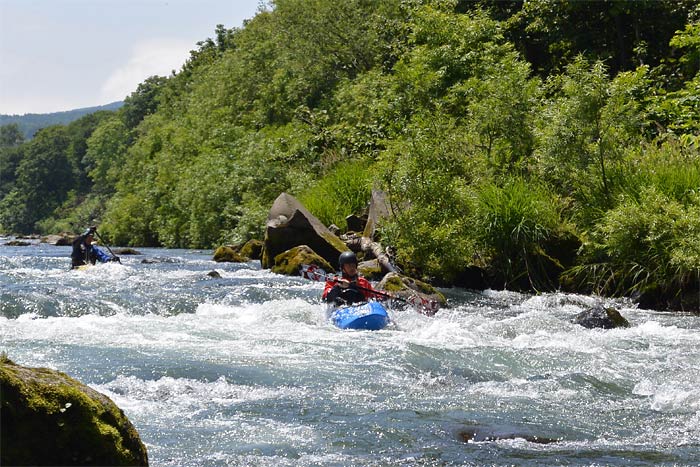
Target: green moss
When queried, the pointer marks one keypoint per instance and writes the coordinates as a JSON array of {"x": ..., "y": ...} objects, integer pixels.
[
  {"x": 394, "y": 284},
  {"x": 289, "y": 262},
  {"x": 226, "y": 254},
  {"x": 334, "y": 241},
  {"x": 616, "y": 318},
  {"x": 371, "y": 271},
  {"x": 406, "y": 286},
  {"x": 252, "y": 249},
  {"x": 52, "y": 419}
]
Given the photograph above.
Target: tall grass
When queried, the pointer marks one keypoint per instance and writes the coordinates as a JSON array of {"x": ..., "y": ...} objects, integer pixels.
[
  {"x": 650, "y": 241},
  {"x": 345, "y": 190},
  {"x": 516, "y": 224}
]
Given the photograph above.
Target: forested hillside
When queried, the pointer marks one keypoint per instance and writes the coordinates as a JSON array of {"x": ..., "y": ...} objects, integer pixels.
[
  {"x": 29, "y": 124},
  {"x": 548, "y": 144}
]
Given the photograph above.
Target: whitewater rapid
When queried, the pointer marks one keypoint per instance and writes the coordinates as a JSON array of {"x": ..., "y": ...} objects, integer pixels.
[{"x": 246, "y": 370}]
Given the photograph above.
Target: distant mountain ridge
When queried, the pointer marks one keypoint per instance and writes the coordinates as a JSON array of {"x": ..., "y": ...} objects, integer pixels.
[{"x": 30, "y": 123}]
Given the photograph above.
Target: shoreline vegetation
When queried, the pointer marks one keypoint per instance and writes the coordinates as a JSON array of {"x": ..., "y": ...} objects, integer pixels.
[{"x": 531, "y": 146}]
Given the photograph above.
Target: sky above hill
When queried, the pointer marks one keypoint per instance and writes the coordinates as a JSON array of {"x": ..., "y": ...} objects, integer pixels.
[{"x": 58, "y": 55}]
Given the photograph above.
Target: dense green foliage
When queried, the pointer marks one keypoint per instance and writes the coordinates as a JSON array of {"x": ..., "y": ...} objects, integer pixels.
[{"x": 548, "y": 143}]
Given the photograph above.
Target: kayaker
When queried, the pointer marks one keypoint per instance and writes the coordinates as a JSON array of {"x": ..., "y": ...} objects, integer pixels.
[
  {"x": 350, "y": 288},
  {"x": 85, "y": 251}
]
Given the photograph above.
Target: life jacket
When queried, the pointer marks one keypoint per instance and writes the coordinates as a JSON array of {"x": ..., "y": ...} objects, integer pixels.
[
  {"x": 83, "y": 253},
  {"x": 79, "y": 254},
  {"x": 360, "y": 290}
]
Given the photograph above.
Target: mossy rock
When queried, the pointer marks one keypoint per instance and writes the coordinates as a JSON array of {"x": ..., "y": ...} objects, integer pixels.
[
  {"x": 289, "y": 262},
  {"x": 252, "y": 249},
  {"x": 405, "y": 286},
  {"x": 227, "y": 254},
  {"x": 290, "y": 224},
  {"x": 48, "y": 418},
  {"x": 17, "y": 243},
  {"x": 371, "y": 270},
  {"x": 601, "y": 317}
]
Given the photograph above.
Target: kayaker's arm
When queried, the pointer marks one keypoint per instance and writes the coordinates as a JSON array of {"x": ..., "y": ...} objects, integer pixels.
[{"x": 331, "y": 291}]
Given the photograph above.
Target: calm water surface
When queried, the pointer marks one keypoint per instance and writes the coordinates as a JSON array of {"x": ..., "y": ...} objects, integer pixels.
[{"x": 245, "y": 369}]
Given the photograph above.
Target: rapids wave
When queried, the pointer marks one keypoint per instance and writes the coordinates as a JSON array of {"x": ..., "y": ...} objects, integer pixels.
[{"x": 246, "y": 370}]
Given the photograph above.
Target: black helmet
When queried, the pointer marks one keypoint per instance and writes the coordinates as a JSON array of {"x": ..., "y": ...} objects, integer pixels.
[{"x": 347, "y": 257}]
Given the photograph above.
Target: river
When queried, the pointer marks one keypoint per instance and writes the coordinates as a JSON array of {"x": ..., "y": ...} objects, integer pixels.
[{"x": 245, "y": 369}]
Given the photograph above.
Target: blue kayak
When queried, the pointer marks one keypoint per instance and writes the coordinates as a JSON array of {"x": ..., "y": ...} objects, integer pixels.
[{"x": 370, "y": 316}]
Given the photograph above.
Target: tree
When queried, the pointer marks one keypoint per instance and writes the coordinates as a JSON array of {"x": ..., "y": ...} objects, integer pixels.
[
  {"x": 10, "y": 136},
  {"x": 11, "y": 139},
  {"x": 143, "y": 101},
  {"x": 585, "y": 127},
  {"x": 44, "y": 177}
]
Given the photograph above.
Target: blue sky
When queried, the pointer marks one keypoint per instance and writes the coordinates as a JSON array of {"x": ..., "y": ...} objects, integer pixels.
[{"x": 65, "y": 54}]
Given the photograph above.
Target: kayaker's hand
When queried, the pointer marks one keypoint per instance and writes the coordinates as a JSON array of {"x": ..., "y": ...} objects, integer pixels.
[{"x": 343, "y": 283}]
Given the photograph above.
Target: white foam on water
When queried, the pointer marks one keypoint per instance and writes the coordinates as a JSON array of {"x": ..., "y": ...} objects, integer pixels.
[
  {"x": 676, "y": 397},
  {"x": 228, "y": 410},
  {"x": 185, "y": 397}
]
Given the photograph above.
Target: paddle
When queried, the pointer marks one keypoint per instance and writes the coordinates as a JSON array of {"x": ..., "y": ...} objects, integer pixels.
[
  {"x": 107, "y": 246},
  {"x": 422, "y": 305}
]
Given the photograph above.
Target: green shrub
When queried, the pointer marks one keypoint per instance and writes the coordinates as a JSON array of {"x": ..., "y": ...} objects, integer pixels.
[
  {"x": 345, "y": 190},
  {"x": 517, "y": 225},
  {"x": 647, "y": 243},
  {"x": 672, "y": 166}
]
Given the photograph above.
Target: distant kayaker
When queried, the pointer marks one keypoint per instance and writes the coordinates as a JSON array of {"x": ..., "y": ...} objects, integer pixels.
[
  {"x": 85, "y": 251},
  {"x": 350, "y": 288}
]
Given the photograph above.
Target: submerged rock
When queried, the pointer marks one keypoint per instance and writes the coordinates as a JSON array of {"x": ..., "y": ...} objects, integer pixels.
[
  {"x": 214, "y": 274},
  {"x": 601, "y": 317},
  {"x": 17, "y": 243},
  {"x": 480, "y": 435},
  {"x": 48, "y": 418}
]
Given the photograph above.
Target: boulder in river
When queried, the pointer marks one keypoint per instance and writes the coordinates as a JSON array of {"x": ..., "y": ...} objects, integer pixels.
[
  {"x": 17, "y": 243},
  {"x": 48, "y": 418},
  {"x": 290, "y": 261},
  {"x": 601, "y": 317},
  {"x": 228, "y": 254},
  {"x": 480, "y": 434},
  {"x": 405, "y": 287},
  {"x": 290, "y": 224},
  {"x": 252, "y": 249},
  {"x": 126, "y": 251},
  {"x": 62, "y": 239}
]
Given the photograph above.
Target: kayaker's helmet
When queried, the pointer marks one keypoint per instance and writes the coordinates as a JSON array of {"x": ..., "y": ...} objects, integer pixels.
[{"x": 347, "y": 257}]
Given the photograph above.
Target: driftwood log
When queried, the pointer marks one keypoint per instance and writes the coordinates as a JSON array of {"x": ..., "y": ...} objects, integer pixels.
[{"x": 373, "y": 249}]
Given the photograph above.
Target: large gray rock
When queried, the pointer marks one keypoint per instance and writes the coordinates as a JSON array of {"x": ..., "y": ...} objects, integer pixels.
[
  {"x": 62, "y": 239},
  {"x": 48, "y": 418},
  {"x": 290, "y": 224},
  {"x": 379, "y": 209}
]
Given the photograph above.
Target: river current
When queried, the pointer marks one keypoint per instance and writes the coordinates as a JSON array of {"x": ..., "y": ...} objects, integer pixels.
[{"x": 245, "y": 369}]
